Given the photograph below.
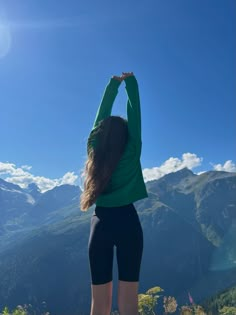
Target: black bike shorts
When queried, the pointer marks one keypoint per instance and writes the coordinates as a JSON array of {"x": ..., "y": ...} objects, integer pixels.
[{"x": 119, "y": 226}]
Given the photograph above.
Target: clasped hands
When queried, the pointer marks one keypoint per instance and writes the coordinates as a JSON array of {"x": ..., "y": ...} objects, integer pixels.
[{"x": 123, "y": 76}]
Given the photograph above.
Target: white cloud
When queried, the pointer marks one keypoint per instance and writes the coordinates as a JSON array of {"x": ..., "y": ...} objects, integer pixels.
[
  {"x": 20, "y": 177},
  {"x": 69, "y": 178},
  {"x": 10, "y": 168},
  {"x": 189, "y": 160},
  {"x": 229, "y": 166},
  {"x": 26, "y": 167}
]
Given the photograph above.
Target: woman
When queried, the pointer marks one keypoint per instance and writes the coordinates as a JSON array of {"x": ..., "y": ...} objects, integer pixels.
[{"x": 114, "y": 180}]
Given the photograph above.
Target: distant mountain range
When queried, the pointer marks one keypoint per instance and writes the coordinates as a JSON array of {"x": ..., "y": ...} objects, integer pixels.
[{"x": 189, "y": 225}]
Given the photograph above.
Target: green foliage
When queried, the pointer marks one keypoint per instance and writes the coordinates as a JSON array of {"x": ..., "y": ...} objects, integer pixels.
[
  {"x": 23, "y": 310},
  {"x": 219, "y": 301},
  {"x": 154, "y": 290},
  {"x": 228, "y": 310},
  {"x": 146, "y": 304},
  {"x": 19, "y": 311},
  {"x": 148, "y": 301},
  {"x": 6, "y": 311}
]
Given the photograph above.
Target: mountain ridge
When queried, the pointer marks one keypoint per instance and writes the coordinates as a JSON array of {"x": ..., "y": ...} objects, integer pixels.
[{"x": 188, "y": 223}]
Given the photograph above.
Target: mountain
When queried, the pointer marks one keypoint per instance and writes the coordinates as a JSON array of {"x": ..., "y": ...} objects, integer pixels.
[
  {"x": 33, "y": 190},
  {"x": 14, "y": 204},
  {"x": 23, "y": 210},
  {"x": 189, "y": 225}
]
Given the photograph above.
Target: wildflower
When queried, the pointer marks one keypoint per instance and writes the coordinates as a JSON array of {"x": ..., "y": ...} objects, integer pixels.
[
  {"x": 190, "y": 298},
  {"x": 170, "y": 304},
  {"x": 199, "y": 310},
  {"x": 186, "y": 310}
]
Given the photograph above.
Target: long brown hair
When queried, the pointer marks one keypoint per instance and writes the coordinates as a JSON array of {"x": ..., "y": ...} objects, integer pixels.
[{"x": 111, "y": 138}]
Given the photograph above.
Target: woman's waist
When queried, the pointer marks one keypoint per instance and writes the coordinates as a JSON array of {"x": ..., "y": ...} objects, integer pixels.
[{"x": 114, "y": 210}]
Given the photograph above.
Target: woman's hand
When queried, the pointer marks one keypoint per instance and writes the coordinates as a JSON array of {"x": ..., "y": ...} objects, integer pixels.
[
  {"x": 126, "y": 74},
  {"x": 117, "y": 78},
  {"x": 123, "y": 76}
]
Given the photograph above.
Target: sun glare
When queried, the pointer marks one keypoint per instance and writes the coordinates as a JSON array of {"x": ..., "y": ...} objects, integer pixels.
[{"x": 5, "y": 40}]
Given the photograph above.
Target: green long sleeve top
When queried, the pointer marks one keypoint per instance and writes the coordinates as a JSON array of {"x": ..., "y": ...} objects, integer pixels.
[{"x": 127, "y": 183}]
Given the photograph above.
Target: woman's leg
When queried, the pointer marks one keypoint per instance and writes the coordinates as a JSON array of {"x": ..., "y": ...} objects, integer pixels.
[
  {"x": 100, "y": 249},
  {"x": 129, "y": 256},
  {"x": 101, "y": 302},
  {"x": 128, "y": 297}
]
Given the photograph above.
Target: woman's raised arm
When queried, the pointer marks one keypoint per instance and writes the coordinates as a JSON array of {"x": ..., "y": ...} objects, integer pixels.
[
  {"x": 110, "y": 93},
  {"x": 133, "y": 108}
]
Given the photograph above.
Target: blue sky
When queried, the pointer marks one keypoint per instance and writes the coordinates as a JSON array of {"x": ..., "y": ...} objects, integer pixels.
[{"x": 57, "y": 57}]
